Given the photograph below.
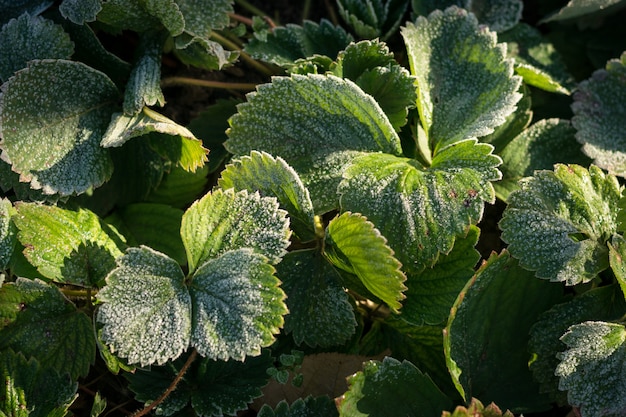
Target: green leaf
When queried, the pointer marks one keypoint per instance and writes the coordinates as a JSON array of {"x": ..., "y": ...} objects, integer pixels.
[
  {"x": 54, "y": 142},
  {"x": 617, "y": 253},
  {"x": 579, "y": 8},
  {"x": 202, "y": 53},
  {"x": 237, "y": 305},
  {"x": 203, "y": 16},
  {"x": 421, "y": 210},
  {"x": 142, "y": 16},
  {"x": 487, "y": 334},
  {"x": 477, "y": 409},
  {"x": 317, "y": 124},
  {"x": 66, "y": 246},
  {"x": 10, "y": 9},
  {"x": 432, "y": 292},
  {"x": 287, "y": 44},
  {"x": 592, "y": 369},
  {"x": 354, "y": 244},
  {"x": 392, "y": 387},
  {"x": 146, "y": 315},
  {"x": 225, "y": 220},
  {"x": 499, "y": 15},
  {"x": 307, "y": 407},
  {"x": 7, "y": 233},
  {"x": 558, "y": 223},
  {"x": 273, "y": 177},
  {"x": 99, "y": 405},
  {"x": 29, "y": 389},
  {"x": 320, "y": 313},
  {"x": 373, "y": 18},
  {"x": 180, "y": 188},
  {"x": 38, "y": 321},
  {"x": 600, "y": 114},
  {"x": 515, "y": 123},
  {"x": 465, "y": 83},
  {"x": 31, "y": 37},
  {"x": 80, "y": 11}
]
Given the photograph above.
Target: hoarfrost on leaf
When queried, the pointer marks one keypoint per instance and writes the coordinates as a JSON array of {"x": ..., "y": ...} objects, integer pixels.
[
  {"x": 373, "y": 18},
  {"x": 80, "y": 11},
  {"x": 581, "y": 8},
  {"x": 7, "y": 233}
]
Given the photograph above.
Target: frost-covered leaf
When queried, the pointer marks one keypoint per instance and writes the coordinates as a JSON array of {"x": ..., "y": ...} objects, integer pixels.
[
  {"x": 559, "y": 221},
  {"x": 54, "y": 142},
  {"x": 355, "y": 245},
  {"x": 603, "y": 303},
  {"x": 227, "y": 220},
  {"x": 307, "y": 407},
  {"x": 7, "y": 233},
  {"x": 600, "y": 116},
  {"x": 180, "y": 188},
  {"x": 499, "y": 15},
  {"x": 579, "y": 8},
  {"x": 146, "y": 310},
  {"x": 465, "y": 83},
  {"x": 80, "y": 11},
  {"x": 273, "y": 177},
  {"x": 487, "y": 334},
  {"x": 432, "y": 292},
  {"x": 237, "y": 305},
  {"x": 421, "y": 210},
  {"x": 142, "y": 16},
  {"x": 320, "y": 313},
  {"x": 617, "y": 260},
  {"x": 536, "y": 59},
  {"x": 31, "y": 37},
  {"x": 317, "y": 124},
  {"x": 287, "y": 44},
  {"x": 29, "y": 389},
  {"x": 202, "y": 53},
  {"x": 592, "y": 369},
  {"x": 66, "y": 246},
  {"x": 10, "y": 9},
  {"x": 373, "y": 18},
  {"x": 392, "y": 387},
  {"x": 203, "y": 16},
  {"x": 38, "y": 321}
]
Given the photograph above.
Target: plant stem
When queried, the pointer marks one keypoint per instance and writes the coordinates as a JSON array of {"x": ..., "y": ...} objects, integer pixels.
[
  {"x": 172, "y": 386},
  {"x": 169, "y": 81},
  {"x": 86, "y": 293},
  {"x": 252, "y": 9},
  {"x": 244, "y": 56},
  {"x": 240, "y": 18},
  {"x": 306, "y": 9},
  {"x": 331, "y": 13}
]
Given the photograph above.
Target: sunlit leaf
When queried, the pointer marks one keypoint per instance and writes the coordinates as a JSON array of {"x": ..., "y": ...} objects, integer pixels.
[
  {"x": 579, "y": 8},
  {"x": 226, "y": 220},
  {"x": 465, "y": 83},
  {"x": 202, "y": 53},
  {"x": 559, "y": 221},
  {"x": 54, "y": 142},
  {"x": 80, "y": 11},
  {"x": 592, "y": 369},
  {"x": 237, "y": 305},
  {"x": 317, "y": 124},
  {"x": 477, "y": 409},
  {"x": 146, "y": 315},
  {"x": 617, "y": 255},
  {"x": 307, "y": 407},
  {"x": 373, "y": 18}
]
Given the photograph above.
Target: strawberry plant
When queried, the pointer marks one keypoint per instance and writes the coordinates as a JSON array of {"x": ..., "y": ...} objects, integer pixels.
[{"x": 416, "y": 208}]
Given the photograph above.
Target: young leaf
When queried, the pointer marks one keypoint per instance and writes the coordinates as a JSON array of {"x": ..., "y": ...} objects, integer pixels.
[
  {"x": 486, "y": 338},
  {"x": 353, "y": 244},
  {"x": 7, "y": 233},
  {"x": 226, "y": 220},
  {"x": 66, "y": 246},
  {"x": 317, "y": 124},
  {"x": 38, "y": 321},
  {"x": 465, "y": 83},
  {"x": 307, "y": 407},
  {"x": 600, "y": 114},
  {"x": 80, "y": 11},
  {"x": 477, "y": 409},
  {"x": 421, "y": 210},
  {"x": 373, "y": 18},
  {"x": 54, "y": 142},
  {"x": 392, "y": 387},
  {"x": 558, "y": 223},
  {"x": 146, "y": 315},
  {"x": 237, "y": 305},
  {"x": 273, "y": 177},
  {"x": 592, "y": 369},
  {"x": 31, "y": 37},
  {"x": 320, "y": 313}
]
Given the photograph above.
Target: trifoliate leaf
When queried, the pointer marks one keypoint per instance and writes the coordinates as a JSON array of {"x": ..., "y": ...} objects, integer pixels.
[
  {"x": 320, "y": 313},
  {"x": 465, "y": 83},
  {"x": 317, "y": 124},
  {"x": 579, "y": 8},
  {"x": 307, "y": 407},
  {"x": 273, "y": 177},
  {"x": 80, "y": 11},
  {"x": 142, "y": 16},
  {"x": 356, "y": 246},
  {"x": 180, "y": 188},
  {"x": 536, "y": 59},
  {"x": 146, "y": 315},
  {"x": 54, "y": 142},
  {"x": 37, "y": 320},
  {"x": 477, "y": 409},
  {"x": 31, "y": 37},
  {"x": 600, "y": 114},
  {"x": 7, "y": 233},
  {"x": 29, "y": 389},
  {"x": 287, "y": 44},
  {"x": 237, "y": 305},
  {"x": 10, "y": 9},
  {"x": 392, "y": 387},
  {"x": 496, "y": 302},
  {"x": 558, "y": 222},
  {"x": 226, "y": 220},
  {"x": 432, "y": 292},
  {"x": 373, "y": 18},
  {"x": 592, "y": 369},
  {"x": 203, "y": 16},
  {"x": 421, "y": 210},
  {"x": 603, "y": 303},
  {"x": 67, "y": 246}
]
